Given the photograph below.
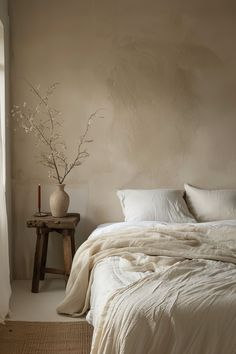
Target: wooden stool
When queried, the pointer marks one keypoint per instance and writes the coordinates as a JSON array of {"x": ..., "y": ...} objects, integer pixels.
[{"x": 44, "y": 225}]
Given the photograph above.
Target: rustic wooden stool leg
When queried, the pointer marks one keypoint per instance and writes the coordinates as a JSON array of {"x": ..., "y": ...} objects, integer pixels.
[
  {"x": 37, "y": 261},
  {"x": 72, "y": 236},
  {"x": 44, "y": 254},
  {"x": 67, "y": 250}
]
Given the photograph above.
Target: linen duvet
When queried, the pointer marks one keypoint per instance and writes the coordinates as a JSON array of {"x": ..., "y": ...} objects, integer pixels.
[{"x": 157, "y": 289}]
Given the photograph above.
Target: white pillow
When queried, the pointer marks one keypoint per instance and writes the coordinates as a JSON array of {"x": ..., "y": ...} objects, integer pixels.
[
  {"x": 210, "y": 205},
  {"x": 166, "y": 205}
]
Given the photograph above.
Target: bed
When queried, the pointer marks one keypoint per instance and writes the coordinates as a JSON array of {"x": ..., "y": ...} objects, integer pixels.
[{"x": 157, "y": 287}]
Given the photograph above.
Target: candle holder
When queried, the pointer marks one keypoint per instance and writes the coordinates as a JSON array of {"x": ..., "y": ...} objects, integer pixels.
[{"x": 41, "y": 214}]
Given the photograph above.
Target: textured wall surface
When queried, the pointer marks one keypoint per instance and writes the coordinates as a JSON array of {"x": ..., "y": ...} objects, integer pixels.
[{"x": 164, "y": 74}]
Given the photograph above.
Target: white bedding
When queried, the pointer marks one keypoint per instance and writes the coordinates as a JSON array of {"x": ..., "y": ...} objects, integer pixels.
[
  {"x": 176, "y": 296},
  {"x": 110, "y": 275}
]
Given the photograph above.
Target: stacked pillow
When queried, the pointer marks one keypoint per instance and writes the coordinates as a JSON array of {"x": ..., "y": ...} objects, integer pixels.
[
  {"x": 210, "y": 205},
  {"x": 167, "y": 205}
]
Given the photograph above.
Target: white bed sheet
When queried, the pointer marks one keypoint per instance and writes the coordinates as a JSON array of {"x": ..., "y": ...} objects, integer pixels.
[{"x": 110, "y": 274}]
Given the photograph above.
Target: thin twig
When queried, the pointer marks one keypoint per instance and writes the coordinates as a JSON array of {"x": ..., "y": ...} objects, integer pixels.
[{"x": 44, "y": 130}]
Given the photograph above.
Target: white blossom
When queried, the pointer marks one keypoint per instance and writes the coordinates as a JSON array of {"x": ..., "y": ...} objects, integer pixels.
[{"x": 45, "y": 123}]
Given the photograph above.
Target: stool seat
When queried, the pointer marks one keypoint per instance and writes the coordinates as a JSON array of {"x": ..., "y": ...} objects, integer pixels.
[{"x": 44, "y": 225}]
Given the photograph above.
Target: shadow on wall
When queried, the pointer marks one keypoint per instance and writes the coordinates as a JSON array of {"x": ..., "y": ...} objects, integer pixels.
[{"x": 157, "y": 86}]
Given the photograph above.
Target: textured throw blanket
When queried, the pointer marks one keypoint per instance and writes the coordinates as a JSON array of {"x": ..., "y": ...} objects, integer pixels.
[{"x": 188, "y": 304}]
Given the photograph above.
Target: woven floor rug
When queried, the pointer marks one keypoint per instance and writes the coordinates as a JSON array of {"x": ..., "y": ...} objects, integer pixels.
[{"x": 45, "y": 337}]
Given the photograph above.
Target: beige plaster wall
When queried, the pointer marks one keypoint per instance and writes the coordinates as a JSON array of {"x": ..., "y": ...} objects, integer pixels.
[{"x": 164, "y": 74}]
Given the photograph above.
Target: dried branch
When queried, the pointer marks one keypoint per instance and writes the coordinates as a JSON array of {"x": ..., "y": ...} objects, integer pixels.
[{"x": 46, "y": 131}]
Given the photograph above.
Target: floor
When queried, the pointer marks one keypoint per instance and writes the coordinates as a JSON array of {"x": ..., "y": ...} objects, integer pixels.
[{"x": 41, "y": 307}]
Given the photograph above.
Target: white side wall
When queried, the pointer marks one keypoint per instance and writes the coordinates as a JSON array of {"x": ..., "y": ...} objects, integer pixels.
[{"x": 5, "y": 21}]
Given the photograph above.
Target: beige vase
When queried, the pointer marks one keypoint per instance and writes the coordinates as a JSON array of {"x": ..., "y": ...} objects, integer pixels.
[{"x": 59, "y": 201}]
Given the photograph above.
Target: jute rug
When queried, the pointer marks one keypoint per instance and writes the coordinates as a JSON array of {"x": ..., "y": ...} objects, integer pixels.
[{"x": 45, "y": 337}]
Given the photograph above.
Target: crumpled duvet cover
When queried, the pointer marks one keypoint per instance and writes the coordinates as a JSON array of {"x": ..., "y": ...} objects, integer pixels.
[{"x": 185, "y": 302}]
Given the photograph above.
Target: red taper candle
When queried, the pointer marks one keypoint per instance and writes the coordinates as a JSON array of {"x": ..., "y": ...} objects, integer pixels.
[{"x": 39, "y": 198}]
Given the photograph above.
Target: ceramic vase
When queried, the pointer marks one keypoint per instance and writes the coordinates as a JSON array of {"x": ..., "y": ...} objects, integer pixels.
[{"x": 59, "y": 201}]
